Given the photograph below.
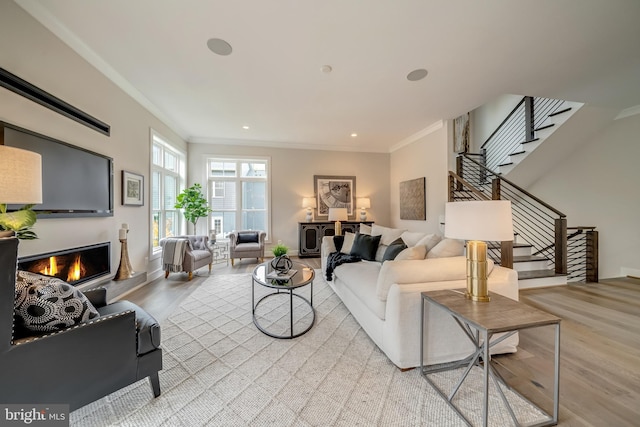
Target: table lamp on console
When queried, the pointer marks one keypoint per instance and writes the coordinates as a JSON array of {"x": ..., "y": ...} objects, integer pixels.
[
  {"x": 363, "y": 203},
  {"x": 337, "y": 215},
  {"x": 309, "y": 203},
  {"x": 20, "y": 179},
  {"x": 478, "y": 222}
]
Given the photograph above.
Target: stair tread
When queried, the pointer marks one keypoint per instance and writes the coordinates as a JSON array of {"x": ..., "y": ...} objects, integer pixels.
[
  {"x": 537, "y": 274},
  {"x": 559, "y": 112},
  {"x": 544, "y": 127},
  {"x": 528, "y": 258},
  {"x": 530, "y": 140},
  {"x": 506, "y": 164},
  {"x": 515, "y": 245},
  {"x": 517, "y": 152}
]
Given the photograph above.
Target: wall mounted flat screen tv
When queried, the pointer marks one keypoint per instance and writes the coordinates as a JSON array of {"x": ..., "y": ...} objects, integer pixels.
[{"x": 75, "y": 182}]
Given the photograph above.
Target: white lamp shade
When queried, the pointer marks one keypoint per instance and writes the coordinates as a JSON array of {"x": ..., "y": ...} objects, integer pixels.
[
  {"x": 20, "y": 176},
  {"x": 309, "y": 202},
  {"x": 338, "y": 214},
  {"x": 479, "y": 220},
  {"x": 363, "y": 203}
]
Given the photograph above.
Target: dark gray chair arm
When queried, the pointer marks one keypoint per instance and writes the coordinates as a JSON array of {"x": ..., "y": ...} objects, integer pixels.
[{"x": 96, "y": 296}]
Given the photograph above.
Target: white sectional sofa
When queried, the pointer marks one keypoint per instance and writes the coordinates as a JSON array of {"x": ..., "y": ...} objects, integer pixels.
[{"x": 385, "y": 297}]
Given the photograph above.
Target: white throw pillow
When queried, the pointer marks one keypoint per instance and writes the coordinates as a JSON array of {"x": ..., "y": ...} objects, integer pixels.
[
  {"x": 429, "y": 241},
  {"x": 447, "y": 248},
  {"x": 412, "y": 253},
  {"x": 348, "y": 242},
  {"x": 411, "y": 238},
  {"x": 388, "y": 234},
  {"x": 365, "y": 229},
  {"x": 380, "y": 252}
]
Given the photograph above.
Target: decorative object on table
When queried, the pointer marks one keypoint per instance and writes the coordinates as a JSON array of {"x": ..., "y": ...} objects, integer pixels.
[
  {"x": 212, "y": 237},
  {"x": 335, "y": 192},
  {"x": 461, "y": 133},
  {"x": 132, "y": 189},
  {"x": 280, "y": 278},
  {"x": 281, "y": 264},
  {"x": 309, "y": 203},
  {"x": 20, "y": 183},
  {"x": 125, "y": 271},
  {"x": 337, "y": 215},
  {"x": 363, "y": 203},
  {"x": 413, "y": 204},
  {"x": 477, "y": 222},
  {"x": 279, "y": 249},
  {"x": 194, "y": 203}
]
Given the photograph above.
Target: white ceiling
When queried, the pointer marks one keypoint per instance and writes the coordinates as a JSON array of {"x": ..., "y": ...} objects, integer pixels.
[{"x": 580, "y": 50}]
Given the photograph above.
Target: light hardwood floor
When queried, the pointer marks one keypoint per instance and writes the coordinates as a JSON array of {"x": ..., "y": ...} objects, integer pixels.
[{"x": 600, "y": 343}]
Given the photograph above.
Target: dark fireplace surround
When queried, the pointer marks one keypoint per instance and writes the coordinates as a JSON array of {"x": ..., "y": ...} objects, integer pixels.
[{"x": 74, "y": 266}]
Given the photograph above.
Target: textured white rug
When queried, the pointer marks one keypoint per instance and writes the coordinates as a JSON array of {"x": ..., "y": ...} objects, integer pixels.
[{"x": 219, "y": 370}]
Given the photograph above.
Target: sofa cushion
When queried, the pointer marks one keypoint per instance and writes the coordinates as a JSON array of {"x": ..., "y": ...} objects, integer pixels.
[
  {"x": 360, "y": 278},
  {"x": 248, "y": 237},
  {"x": 365, "y": 229},
  {"x": 447, "y": 248},
  {"x": 48, "y": 304},
  {"x": 429, "y": 241},
  {"x": 365, "y": 246},
  {"x": 412, "y": 238},
  {"x": 394, "y": 249},
  {"x": 247, "y": 247},
  {"x": 347, "y": 242},
  {"x": 412, "y": 253},
  {"x": 387, "y": 234}
]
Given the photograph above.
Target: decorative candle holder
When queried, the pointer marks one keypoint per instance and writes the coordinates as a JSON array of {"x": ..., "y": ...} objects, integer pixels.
[{"x": 124, "y": 269}]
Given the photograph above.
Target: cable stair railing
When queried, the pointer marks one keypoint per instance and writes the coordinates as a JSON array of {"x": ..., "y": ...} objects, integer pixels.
[{"x": 541, "y": 230}]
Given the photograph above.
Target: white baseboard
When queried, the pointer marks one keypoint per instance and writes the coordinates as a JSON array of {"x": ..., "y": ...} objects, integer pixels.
[{"x": 625, "y": 271}]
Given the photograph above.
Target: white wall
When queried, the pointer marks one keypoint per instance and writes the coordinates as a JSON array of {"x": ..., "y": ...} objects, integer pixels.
[
  {"x": 292, "y": 172},
  {"x": 598, "y": 186},
  {"x": 31, "y": 52},
  {"x": 426, "y": 157}
]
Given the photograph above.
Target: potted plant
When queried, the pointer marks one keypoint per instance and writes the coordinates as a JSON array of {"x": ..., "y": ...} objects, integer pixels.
[
  {"x": 194, "y": 204},
  {"x": 281, "y": 262},
  {"x": 18, "y": 222},
  {"x": 279, "y": 249}
]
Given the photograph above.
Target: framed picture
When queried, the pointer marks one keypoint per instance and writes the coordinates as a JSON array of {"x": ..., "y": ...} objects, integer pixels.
[
  {"x": 335, "y": 192},
  {"x": 461, "y": 134},
  {"x": 413, "y": 199},
  {"x": 132, "y": 189}
]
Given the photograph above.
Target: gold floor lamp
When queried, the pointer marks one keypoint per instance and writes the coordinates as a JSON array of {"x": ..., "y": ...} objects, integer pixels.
[{"x": 477, "y": 222}]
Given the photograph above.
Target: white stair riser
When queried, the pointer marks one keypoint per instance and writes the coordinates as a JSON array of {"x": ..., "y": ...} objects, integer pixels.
[
  {"x": 542, "y": 282},
  {"x": 531, "y": 265},
  {"x": 524, "y": 251}
]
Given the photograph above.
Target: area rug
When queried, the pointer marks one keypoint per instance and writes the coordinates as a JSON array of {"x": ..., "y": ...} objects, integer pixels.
[{"x": 219, "y": 370}]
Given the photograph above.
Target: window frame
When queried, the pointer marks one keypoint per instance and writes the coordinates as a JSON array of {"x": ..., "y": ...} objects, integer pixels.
[{"x": 238, "y": 179}]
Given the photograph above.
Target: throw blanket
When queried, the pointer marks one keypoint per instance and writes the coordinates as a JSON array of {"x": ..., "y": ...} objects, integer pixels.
[
  {"x": 173, "y": 253},
  {"x": 337, "y": 258}
]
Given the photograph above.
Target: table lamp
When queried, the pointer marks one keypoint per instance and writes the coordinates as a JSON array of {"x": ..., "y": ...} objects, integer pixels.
[
  {"x": 476, "y": 222},
  {"x": 363, "y": 203},
  {"x": 309, "y": 203},
  {"x": 337, "y": 215},
  {"x": 20, "y": 177}
]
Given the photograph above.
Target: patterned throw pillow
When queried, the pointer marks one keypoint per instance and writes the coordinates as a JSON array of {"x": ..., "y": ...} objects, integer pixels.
[{"x": 48, "y": 304}]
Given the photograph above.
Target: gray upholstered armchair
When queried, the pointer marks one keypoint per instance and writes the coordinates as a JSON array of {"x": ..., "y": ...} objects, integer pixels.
[
  {"x": 78, "y": 364},
  {"x": 246, "y": 244},
  {"x": 185, "y": 253}
]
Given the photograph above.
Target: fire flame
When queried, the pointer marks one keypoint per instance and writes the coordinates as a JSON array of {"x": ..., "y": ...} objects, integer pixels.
[
  {"x": 74, "y": 270},
  {"x": 52, "y": 269}
]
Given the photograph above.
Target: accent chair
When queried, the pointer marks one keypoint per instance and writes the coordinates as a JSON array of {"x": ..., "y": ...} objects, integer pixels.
[
  {"x": 247, "y": 244},
  {"x": 185, "y": 253}
]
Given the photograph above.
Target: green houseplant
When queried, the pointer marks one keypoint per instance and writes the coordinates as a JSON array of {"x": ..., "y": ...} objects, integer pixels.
[
  {"x": 279, "y": 249},
  {"x": 194, "y": 204},
  {"x": 19, "y": 221}
]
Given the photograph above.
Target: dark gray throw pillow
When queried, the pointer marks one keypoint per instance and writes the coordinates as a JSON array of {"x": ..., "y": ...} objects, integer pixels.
[
  {"x": 248, "y": 237},
  {"x": 394, "y": 249},
  {"x": 48, "y": 304},
  {"x": 365, "y": 246}
]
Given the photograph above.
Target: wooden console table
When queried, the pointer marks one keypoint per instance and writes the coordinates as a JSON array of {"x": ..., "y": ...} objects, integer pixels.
[
  {"x": 310, "y": 235},
  {"x": 480, "y": 321}
]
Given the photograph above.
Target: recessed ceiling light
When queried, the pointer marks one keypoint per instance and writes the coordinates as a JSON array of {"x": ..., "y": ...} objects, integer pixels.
[
  {"x": 245, "y": 127},
  {"x": 416, "y": 75},
  {"x": 219, "y": 46},
  {"x": 353, "y": 135}
]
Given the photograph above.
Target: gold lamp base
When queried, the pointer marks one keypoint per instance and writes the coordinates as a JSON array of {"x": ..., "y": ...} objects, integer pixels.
[
  {"x": 338, "y": 228},
  {"x": 477, "y": 271}
]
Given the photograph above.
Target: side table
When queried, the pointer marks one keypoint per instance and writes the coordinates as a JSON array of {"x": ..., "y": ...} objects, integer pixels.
[
  {"x": 480, "y": 321},
  {"x": 221, "y": 251}
]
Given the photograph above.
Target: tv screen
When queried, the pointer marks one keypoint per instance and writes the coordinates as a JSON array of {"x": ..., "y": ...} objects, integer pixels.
[{"x": 75, "y": 182}]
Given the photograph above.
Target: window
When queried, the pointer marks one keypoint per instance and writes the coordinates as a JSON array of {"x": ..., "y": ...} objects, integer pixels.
[
  {"x": 167, "y": 179},
  {"x": 238, "y": 194}
]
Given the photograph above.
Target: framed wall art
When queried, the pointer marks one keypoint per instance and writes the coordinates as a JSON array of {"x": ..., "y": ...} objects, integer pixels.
[
  {"x": 132, "y": 189},
  {"x": 335, "y": 192},
  {"x": 413, "y": 203},
  {"x": 461, "y": 134}
]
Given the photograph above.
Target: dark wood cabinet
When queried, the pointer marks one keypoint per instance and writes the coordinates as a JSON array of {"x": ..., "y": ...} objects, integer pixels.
[{"x": 310, "y": 235}]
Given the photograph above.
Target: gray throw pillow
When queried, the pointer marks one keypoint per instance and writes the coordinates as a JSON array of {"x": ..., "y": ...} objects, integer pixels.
[
  {"x": 394, "y": 249},
  {"x": 48, "y": 304},
  {"x": 365, "y": 246}
]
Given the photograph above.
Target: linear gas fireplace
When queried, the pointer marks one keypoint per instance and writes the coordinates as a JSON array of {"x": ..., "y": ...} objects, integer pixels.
[{"x": 74, "y": 266}]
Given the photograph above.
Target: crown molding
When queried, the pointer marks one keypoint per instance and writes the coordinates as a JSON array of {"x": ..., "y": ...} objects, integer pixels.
[
  {"x": 628, "y": 112},
  {"x": 418, "y": 135}
]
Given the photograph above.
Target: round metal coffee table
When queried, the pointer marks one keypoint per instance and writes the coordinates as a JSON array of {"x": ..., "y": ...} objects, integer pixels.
[{"x": 304, "y": 276}]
